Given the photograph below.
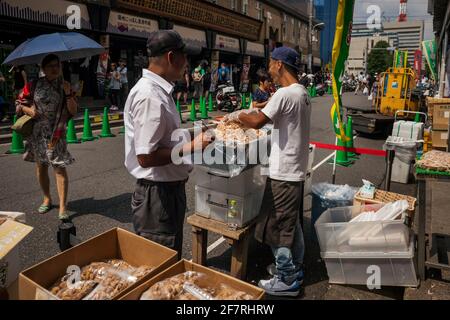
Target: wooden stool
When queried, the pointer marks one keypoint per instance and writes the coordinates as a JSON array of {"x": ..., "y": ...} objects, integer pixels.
[{"x": 238, "y": 239}]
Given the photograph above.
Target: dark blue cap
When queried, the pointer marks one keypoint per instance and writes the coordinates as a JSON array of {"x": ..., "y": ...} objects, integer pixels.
[{"x": 288, "y": 56}]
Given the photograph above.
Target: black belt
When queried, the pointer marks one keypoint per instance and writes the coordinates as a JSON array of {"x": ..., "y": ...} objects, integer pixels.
[{"x": 162, "y": 183}]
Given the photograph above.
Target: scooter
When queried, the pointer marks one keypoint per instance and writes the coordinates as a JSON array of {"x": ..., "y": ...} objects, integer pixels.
[{"x": 227, "y": 98}]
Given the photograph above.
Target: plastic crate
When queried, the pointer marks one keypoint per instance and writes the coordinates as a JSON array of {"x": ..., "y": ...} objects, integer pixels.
[
  {"x": 394, "y": 269},
  {"x": 337, "y": 235}
]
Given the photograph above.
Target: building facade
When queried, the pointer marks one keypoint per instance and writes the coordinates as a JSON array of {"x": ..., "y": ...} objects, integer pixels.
[
  {"x": 239, "y": 32},
  {"x": 326, "y": 11},
  {"x": 360, "y": 47},
  {"x": 410, "y": 36}
]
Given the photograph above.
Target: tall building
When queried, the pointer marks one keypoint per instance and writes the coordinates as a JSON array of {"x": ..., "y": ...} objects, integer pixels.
[
  {"x": 326, "y": 12},
  {"x": 410, "y": 36}
]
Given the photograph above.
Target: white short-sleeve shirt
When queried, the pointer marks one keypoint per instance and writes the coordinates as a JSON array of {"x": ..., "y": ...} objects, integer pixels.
[
  {"x": 290, "y": 111},
  {"x": 150, "y": 117}
]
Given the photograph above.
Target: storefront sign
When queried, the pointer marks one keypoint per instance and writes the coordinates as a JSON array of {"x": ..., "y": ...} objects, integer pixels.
[
  {"x": 131, "y": 25},
  {"x": 48, "y": 11},
  {"x": 255, "y": 49},
  {"x": 227, "y": 44},
  {"x": 198, "y": 13},
  {"x": 192, "y": 36}
]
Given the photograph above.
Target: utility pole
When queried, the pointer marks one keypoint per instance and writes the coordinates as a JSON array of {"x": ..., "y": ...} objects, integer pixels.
[{"x": 310, "y": 27}]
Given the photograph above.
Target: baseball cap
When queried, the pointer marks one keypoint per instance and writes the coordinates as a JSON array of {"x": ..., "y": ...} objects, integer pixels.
[
  {"x": 162, "y": 41},
  {"x": 288, "y": 56}
]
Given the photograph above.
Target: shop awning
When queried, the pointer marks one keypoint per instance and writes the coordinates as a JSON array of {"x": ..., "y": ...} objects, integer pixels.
[{"x": 195, "y": 38}]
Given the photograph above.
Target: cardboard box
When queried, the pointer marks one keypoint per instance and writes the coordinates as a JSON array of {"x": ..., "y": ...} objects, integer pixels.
[
  {"x": 113, "y": 244},
  {"x": 11, "y": 234},
  {"x": 434, "y": 102},
  {"x": 441, "y": 117},
  {"x": 183, "y": 266},
  {"x": 439, "y": 139}
]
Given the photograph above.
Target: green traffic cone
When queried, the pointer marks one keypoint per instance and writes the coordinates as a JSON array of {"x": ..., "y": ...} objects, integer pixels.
[
  {"x": 17, "y": 146},
  {"x": 122, "y": 131},
  {"x": 210, "y": 103},
  {"x": 330, "y": 90},
  {"x": 87, "y": 129},
  {"x": 71, "y": 136},
  {"x": 341, "y": 156},
  {"x": 309, "y": 91},
  {"x": 243, "y": 102},
  {"x": 250, "y": 101},
  {"x": 349, "y": 133},
  {"x": 204, "y": 110},
  {"x": 179, "y": 110},
  {"x": 314, "y": 91},
  {"x": 106, "y": 129},
  {"x": 193, "y": 114}
]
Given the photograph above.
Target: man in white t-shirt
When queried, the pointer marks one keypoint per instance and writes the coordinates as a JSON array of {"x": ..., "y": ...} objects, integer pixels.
[{"x": 289, "y": 109}]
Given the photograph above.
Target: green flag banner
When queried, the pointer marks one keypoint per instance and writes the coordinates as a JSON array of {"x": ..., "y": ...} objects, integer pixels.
[
  {"x": 341, "y": 45},
  {"x": 429, "y": 50}
]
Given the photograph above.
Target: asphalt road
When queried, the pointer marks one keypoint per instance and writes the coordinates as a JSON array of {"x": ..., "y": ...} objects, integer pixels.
[{"x": 100, "y": 191}]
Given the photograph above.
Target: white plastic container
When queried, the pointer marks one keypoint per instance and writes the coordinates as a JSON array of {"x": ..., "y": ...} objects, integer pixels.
[
  {"x": 215, "y": 205},
  {"x": 390, "y": 269},
  {"x": 247, "y": 182},
  {"x": 337, "y": 235},
  {"x": 401, "y": 171}
]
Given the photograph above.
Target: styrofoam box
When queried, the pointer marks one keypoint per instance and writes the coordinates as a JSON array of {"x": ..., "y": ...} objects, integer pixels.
[
  {"x": 391, "y": 269},
  {"x": 214, "y": 205},
  {"x": 247, "y": 182},
  {"x": 337, "y": 235},
  {"x": 408, "y": 129}
]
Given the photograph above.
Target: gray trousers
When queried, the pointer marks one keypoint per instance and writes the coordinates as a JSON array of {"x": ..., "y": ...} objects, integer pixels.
[{"x": 158, "y": 210}]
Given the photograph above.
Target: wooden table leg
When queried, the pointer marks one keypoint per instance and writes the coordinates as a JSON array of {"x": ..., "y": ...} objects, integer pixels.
[
  {"x": 239, "y": 257},
  {"x": 421, "y": 247},
  {"x": 199, "y": 243}
]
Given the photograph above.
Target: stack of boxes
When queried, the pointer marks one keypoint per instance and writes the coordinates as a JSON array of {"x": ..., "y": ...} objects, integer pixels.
[{"x": 439, "y": 111}]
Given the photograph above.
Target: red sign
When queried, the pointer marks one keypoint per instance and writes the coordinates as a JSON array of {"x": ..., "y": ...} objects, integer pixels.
[{"x": 418, "y": 62}]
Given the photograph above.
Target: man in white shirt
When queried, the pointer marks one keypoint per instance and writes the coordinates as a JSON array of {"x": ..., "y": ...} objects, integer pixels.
[
  {"x": 159, "y": 200},
  {"x": 290, "y": 110}
]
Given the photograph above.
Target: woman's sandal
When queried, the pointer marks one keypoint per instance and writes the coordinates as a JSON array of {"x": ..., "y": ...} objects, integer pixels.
[
  {"x": 43, "y": 209},
  {"x": 63, "y": 216}
]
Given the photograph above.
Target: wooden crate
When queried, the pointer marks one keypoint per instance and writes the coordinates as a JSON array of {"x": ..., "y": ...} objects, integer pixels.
[{"x": 382, "y": 196}]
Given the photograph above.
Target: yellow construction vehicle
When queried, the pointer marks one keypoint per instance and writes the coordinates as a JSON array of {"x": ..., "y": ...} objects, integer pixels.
[{"x": 396, "y": 92}]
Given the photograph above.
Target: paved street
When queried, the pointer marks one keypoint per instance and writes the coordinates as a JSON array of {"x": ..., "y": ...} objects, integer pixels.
[{"x": 101, "y": 188}]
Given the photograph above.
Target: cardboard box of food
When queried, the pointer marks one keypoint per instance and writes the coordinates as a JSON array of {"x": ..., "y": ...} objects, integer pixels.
[
  {"x": 441, "y": 117},
  {"x": 183, "y": 266},
  {"x": 113, "y": 244},
  {"x": 439, "y": 139},
  {"x": 11, "y": 234},
  {"x": 434, "y": 102}
]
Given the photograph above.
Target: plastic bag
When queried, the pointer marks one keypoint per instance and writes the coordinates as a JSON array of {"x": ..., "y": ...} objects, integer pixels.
[
  {"x": 405, "y": 150},
  {"x": 229, "y": 159},
  {"x": 192, "y": 285},
  {"x": 100, "y": 280},
  {"x": 333, "y": 193}
]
